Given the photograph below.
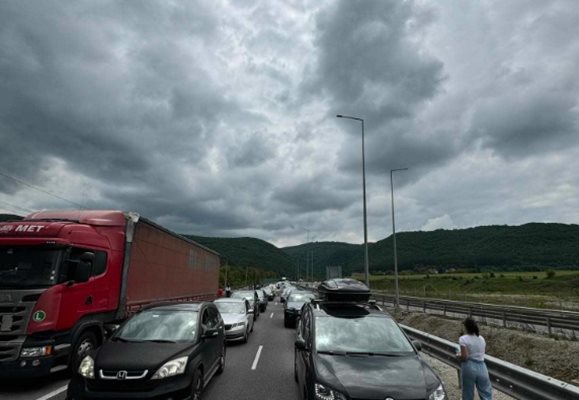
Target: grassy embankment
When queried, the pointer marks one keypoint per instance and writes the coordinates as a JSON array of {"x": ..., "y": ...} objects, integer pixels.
[{"x": 548, "y": 289}]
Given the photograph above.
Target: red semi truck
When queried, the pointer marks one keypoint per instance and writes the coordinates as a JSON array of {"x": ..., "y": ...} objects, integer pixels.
[{"x": 67, "y": 275}]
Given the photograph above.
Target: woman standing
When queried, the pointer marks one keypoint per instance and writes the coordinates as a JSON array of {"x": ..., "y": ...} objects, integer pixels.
[{"x": 473, "y": 370}]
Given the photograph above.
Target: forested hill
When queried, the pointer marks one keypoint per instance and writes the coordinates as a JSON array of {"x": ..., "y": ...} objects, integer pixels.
[
  {"x": 534, "y": 245},
  {"x": 9, "y": 217},
  {"x": 249, "y": 252}
]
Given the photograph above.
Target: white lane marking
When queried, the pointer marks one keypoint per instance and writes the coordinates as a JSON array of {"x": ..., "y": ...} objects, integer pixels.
[
  {"x": 271, "y": 315},
  {"x": 53, "y": 393},
  {"x": 254, "y": 366}
]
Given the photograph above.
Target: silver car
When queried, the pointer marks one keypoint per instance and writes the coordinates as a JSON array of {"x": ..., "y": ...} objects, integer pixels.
[{"x": 237, "y": 316}]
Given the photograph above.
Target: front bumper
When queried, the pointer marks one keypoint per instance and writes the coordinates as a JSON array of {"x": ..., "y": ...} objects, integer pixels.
[
  {"x": 26, "y": 368},
  {"x": 175, "y": 388}
]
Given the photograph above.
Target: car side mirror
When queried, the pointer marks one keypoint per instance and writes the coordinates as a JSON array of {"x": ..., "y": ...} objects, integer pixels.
[
  {"x": 210, "y": 333},
  {"x": 417, "y": 345},
  {"x": 301, "y": 344},
  {"x": 250, "y": 311}
]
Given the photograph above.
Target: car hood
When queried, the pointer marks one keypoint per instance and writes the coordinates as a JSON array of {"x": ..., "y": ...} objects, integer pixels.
[
  {"x": 230, "y": 318},
  {"x": 138, "y": 356},
  {"x": 377, "y": 377}
]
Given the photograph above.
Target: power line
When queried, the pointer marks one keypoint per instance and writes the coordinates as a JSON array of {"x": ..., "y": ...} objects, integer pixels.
[
  {"x": 40, "y": 189},
  {"x": 16, "y": 207}
]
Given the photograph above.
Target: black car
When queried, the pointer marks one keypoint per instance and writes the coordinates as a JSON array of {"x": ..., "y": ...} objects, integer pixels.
[
  {"x": 353, "y": 350},
  {"x": 168, "y": 351},
  {"x": 293, "y": 306}
]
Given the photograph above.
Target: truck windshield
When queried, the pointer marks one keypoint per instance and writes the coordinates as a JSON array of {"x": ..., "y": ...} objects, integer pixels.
[{"x": 25, "y": 267}]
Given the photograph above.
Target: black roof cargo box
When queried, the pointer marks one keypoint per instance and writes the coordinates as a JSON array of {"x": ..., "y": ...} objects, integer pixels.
[{"x": 343, "y": 290}]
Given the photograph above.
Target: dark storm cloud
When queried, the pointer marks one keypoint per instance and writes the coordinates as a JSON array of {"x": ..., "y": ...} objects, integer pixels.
[
  {"x": 371, "y": 68},
  {"x": 522, "y": 123},
  {"x": 368, "y": 63},
  {"x": 104, "y": 86}
]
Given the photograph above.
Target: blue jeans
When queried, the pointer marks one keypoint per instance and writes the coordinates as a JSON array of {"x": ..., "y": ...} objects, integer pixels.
[{"x": 474, "y": 373}]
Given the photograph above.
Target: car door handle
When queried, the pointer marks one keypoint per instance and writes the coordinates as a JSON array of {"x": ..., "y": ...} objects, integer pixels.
[{"x": 88, "y": 300}]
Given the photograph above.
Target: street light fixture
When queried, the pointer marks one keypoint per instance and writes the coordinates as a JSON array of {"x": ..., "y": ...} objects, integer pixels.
[
  {"x": 397, "y": 303},
  {"x": 366, "y": 263}
]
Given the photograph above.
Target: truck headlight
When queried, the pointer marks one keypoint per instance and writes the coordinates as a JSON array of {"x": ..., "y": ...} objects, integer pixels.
[
  {"x": 171, "y": 368},
  {"x": 438, "y": 394},
  {"x": 86, "y": 367},
  {"x": 324, "y": 393},
  {"x": 30, "y": 352}
]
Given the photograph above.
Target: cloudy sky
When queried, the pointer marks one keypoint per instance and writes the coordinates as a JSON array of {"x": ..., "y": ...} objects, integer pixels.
[{"x": 217, "y": 117}]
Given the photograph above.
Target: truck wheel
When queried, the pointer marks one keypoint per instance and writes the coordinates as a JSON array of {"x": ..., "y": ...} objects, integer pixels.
[
  {"x": 221, "y": 360},
  {"x": 197, "y": 385},
  {"x": 85, "y": 343}
]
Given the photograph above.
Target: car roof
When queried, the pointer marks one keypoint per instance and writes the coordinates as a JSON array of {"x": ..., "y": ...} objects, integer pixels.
[{"x": 347, "y": 310}]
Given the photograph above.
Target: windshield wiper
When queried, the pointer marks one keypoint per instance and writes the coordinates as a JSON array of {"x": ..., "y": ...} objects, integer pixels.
[
  {"x": 332, "y": 352},
  {"x": 121, "y": 339},
  {"x": 374, "y": 353},
  {"x": 160, "y": 341}
]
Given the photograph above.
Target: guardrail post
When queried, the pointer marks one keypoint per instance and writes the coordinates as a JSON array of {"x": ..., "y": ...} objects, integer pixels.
[
  {"x": 504, "y": 319},
  {"x": 424, "y": 307},
  {"x": 407, "y": 304},
  {"x": 549, "y": 325},
  {"x": 444, "y": 310}
]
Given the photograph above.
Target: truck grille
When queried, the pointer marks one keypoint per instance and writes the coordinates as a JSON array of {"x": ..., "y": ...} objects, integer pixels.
[{"x": 14, "y": 317}]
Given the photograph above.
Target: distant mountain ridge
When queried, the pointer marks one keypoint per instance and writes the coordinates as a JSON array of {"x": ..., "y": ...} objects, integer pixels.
[
  {"x": 249, "y": 252},
  {"x": 496, "y": 247},
  {"x": 533, "y": 245}
]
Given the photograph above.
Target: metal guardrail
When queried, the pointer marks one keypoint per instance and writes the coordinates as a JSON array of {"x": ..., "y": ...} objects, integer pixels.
[
  {"x": 550, "y": 319},
  {"x": 517, "y": 382}
]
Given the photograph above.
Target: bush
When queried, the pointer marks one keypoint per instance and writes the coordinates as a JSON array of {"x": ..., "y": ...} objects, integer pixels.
[
  {"x": 550, "y": 274},
  {"x": 535, "y": 276},
  {"x": 492, "y": 275}
]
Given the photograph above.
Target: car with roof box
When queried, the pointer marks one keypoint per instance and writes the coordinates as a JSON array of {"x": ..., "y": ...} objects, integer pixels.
[{"x": 348, "y": 348}]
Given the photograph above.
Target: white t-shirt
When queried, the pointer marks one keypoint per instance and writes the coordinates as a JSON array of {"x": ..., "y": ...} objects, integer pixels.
[{"x": 475, "y": 345}]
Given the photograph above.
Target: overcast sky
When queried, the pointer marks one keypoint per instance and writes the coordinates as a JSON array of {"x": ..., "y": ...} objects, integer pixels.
[{"x": 217, "y": 118}]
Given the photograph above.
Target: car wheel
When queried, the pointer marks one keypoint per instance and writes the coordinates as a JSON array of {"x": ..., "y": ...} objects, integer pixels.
[
  {"x": 85, "y": 343},
  {"x": 252, "y": 326},
  {"x": 245, "y": 336},
  {"x": 221, "y": 360},
  {"x": 197, "y": 385},
  {"x": 286, "y": 322}
]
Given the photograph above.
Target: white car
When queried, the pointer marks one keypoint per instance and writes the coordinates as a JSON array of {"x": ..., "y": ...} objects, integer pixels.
[{"x": 237, "y": 316}]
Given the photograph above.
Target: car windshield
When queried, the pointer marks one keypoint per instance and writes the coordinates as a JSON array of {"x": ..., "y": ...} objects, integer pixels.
[
  {"x": 300, "y": 297},
  {"x": 160, "y": 325},
  {"x": 25, "y": 266},
  {"x": 231, "y": 307},
  {"x": 360, "y": 335}
]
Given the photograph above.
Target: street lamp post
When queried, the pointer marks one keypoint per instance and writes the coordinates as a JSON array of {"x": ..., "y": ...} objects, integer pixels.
[
  {"x": 397, "y": 303},
  {"x": 366, "y": 263}
]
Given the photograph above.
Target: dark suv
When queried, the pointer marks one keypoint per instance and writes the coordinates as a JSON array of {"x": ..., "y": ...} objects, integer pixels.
[
  {"x": 162, "y": 352},
  {"x": 347, "y": 350}
]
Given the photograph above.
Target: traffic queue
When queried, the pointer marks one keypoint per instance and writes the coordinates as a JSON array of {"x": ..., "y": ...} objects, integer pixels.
[{"x": 346, "y": 347}]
